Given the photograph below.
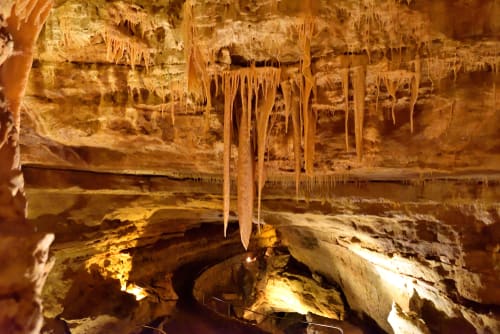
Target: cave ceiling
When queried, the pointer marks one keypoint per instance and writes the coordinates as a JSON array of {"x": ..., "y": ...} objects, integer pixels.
[{"x": 87, "y": 107}]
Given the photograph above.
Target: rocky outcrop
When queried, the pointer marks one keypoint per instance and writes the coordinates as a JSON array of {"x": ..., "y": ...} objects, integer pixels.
[
  {"x": 419, "y": 245},
  {"x": 23, "y": 252},
  {"x": 257, "y": 286},
  {"x": 432, "y": 249}
]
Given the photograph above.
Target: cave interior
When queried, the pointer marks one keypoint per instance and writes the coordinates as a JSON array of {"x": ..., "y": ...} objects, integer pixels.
[{"x": 260, "y": 166}]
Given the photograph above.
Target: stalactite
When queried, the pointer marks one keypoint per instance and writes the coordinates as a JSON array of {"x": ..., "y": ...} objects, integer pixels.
[
  {"x": 391, "y": 86},
  {"x": 189, "y": 45},
  {"x": 496, "y": 67},
  {"x": 393, "y": 80},
  {"x": 345, "y": 89},
  {"x": 207, "y": 84},
  {"x": 251, "y": 83},
  {"x": 231, "y": 83},
  {"x": 119, "y": 45},
  {"x": 415, "y": 84},
  {"x": 198, "y": 78},
  {"x": 270, "y": 80},
  {"x": 297, "y": 134},
  {"x": 377, "y": 83},
  {"x": 216, "y": 80},
  {"x": 287, "y": 97},
  {"x": 245, "y": 168},
  {"x": 24, "y": 9},
  {"x": 359, "y": 77},
  {"x": 24, "y": 258},
  {"x": 133, "y": 17},
  {"x": 250, "y": 87},
  {"x": 175, "y": 94},
  {"x": 305, "y": 31}
]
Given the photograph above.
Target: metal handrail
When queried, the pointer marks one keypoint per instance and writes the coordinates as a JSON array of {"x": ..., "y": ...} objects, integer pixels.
[{"x": 270, "y": 316}]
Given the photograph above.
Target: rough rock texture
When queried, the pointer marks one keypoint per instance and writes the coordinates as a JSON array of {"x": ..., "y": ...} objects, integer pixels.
[
  {"x": 279, "y": 290},
  {"x": 116, "y": 231},
  {"x": 431, "y": 248},
  {"x": 87, "y": 112},
  {"x": 399, "y": 138},
  {"x": 258, "y": 286},
  {"x": 402, "y": 322},
  {"x": 24, "y": 262}
]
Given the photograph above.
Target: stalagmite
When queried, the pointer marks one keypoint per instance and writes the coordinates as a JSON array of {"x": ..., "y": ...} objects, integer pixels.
[{"x": 359, "y": 74}]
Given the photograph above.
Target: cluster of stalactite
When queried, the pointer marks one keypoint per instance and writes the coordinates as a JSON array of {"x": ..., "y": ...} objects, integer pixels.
[
  {"x": 253, "y": 128},
  {"x": 263, "y": 83},
  {"x": 120, "y": 47}
]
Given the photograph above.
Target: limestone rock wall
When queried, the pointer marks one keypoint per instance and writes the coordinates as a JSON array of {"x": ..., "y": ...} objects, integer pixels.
[
  {"x": 23, "y": 252},
  {"x": 430, "y": 247},
  {"x": 432, "y": 251},
  {"x": 431, "y": 88}
]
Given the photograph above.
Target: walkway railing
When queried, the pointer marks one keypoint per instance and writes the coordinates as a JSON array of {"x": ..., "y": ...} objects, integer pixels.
[{"x": 230, "y": 305}]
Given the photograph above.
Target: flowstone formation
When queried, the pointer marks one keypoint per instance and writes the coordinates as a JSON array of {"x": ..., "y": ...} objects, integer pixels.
[{"x": 364, "y": 131}]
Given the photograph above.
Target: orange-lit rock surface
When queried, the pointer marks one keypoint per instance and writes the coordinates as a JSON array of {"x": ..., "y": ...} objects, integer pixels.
[
  {"x": 24, "y": 260},
  {"x": 390, "y": 107}
]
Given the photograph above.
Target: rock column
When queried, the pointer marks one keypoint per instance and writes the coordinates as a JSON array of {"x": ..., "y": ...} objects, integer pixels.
[{"x": 24, "y": 261}]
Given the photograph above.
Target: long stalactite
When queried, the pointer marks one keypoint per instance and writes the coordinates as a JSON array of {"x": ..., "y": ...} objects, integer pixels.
[
  {"x": 257, "y": 87},
  {"x": 231, "y": 83},
  {"x": 252, "y": 83},
  {"x": 289, "y": 89},
  {"x": 344, "y": 72},
  {"x": 245, "y": 165},
  {"x": 415, "y": 84},
  {"x": 269, "y": 85},
  {"x": 306, "y": 84},
  {"x": 198, "y": 78},
  {"x": 358, "y": 82}
]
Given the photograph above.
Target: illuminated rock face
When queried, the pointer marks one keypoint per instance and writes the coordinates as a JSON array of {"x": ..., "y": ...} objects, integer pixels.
[
  {"x": 433, "y": 255},
  {"x": 391, "y": 108},
  {"x": 258, "y": 285},
  {"x": 23, "y": 252}
]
